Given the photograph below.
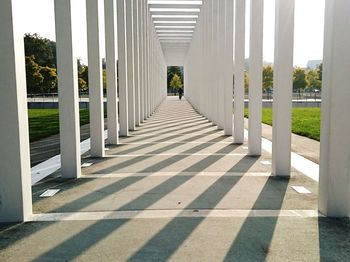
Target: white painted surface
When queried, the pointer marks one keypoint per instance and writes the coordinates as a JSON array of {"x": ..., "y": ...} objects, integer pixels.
[
  {"x": 301, "y": 189},
  {"x": 283, "y": 88},
  {"x": 50, "y": 193},
  {"x": 50, "y": 166},
  {"x": 94, "y": 36},
  {"x": 303, "y": 165},
  {"x": 67, "y": 90},
  {"x": 239, "y": 67},
  {"x": 334, "y": 187},
  {"x": 130, "y": 63},
  {"x": 15, "y": 189},
  {"x": 255, "y": 76},
  {"x": 189, "y": 213},
  {"x": 111, "y": 71},
  {"x": 122, "y": 69}
]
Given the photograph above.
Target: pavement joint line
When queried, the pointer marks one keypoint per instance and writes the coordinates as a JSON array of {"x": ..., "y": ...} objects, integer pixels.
[
  {"x": 174, "y": 154},
  {"x": 182, "y": 135},
  {"x": 171, "y": 213},
  {"x": 174, "y": 142},
  {"x": 172, "y": 174}
]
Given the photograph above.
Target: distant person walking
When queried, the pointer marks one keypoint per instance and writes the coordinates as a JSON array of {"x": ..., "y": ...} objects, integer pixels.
[{"x": 181, "y": 92}]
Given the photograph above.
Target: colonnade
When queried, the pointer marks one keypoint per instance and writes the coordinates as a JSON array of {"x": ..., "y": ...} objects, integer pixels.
[
  {"x": 136, "y": 85},
  {"x": 214, "y": 76}
]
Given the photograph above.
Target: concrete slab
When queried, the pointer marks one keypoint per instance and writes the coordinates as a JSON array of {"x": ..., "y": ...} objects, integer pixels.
[{"x": 177, "y": 189}]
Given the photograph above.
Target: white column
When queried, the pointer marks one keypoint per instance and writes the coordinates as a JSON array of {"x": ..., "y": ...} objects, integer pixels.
[
  {"x": 334, "y": 185},
  {"x": 228, "y": 96},
  {"x": 283, "y": 87},
  {"x": 221, "y": 29},
  {"x": 130, "y": 63},
  {"x": 145, "y": 56},
  {"x": 67, "y": 91},
  {"x": 95, "y": 77},
  {"x": 255, "y": 76},
  {"x": 15, "y": 176},
  {"x": 122, "y": 70},
  {"x": 238, "y": 110},
  {"x": 136, "y": 60},
  {"x": 141, "y": 54},
  {"x": 111, "y": 70},
  {"x": 216, "y": 71}
]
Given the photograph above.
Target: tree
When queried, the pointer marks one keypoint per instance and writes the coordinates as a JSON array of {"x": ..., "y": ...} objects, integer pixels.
[
  {"x": 104, "y": 78},
  {"x": 267, "y": 77},
  {"x": 172, "y": 70},
  {"x": 319, "y": 70},
  {"x": 246, "y": 82},
  {"x": 299, "y": 79},
  {"x": 43, "y": 49},
  {"x": 49, "y": 83},
  {"x": 176, "y": 82},
  {"x": 34, "y": 77},
  {"x": 312, "y": 79}
]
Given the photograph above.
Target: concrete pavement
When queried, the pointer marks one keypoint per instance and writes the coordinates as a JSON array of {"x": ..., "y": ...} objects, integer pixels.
[{"x": 177, "y": 189}]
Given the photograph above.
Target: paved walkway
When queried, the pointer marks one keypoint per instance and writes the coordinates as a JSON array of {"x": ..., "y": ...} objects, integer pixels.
[{"x": 177, "y": 189}]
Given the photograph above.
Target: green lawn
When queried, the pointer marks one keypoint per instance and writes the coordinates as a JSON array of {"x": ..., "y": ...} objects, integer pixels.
[
  {"x": 305, "y": 121},
  {"x": 45, "y": 122}
]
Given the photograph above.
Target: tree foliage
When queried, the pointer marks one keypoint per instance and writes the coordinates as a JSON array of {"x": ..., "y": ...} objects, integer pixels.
[
  {"x": 299, "y": 79},
  {"x": 267, "y": 77},
  {"x": 175, "y": 82},
  {"x": 312, "y": 79},
  {"x": 172, "y": 70},
  {"x": 43, "y": 49},
  {"x": 34, "y": 77},
  {"x": 49, "y": 83}
]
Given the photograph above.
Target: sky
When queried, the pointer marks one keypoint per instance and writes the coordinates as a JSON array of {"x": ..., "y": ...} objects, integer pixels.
[{"x": 38, "y": 17}]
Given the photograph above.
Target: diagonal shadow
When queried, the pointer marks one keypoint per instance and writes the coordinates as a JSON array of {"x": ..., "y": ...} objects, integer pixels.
[
  {"x": 208, "y": 199},
  {"x": 99, "y": 231},
  {"x": 174, "y": 120},
  {"x": 171, "y": 124},
  {"x": 135, "y": 160},
  {"x": 254, "y": 238},
  {"x": 172, "y": 136},
  {"x": 334, "y": 241}
]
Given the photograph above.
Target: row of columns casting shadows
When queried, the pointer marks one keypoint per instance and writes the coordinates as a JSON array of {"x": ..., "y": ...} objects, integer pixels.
[{"x": 99, "y": 230}]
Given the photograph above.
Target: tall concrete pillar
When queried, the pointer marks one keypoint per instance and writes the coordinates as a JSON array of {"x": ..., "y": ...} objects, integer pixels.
[
  {"x": 130, "y": 63},
  {"x": 145, "y": 56},
  {"x": 221, "y": 61},
  {"x": 15, "y": 185},
  {"x": 334, "y": 185},
  {"x": 94, "y": 22},
  {"x": 136, "y": 63},
  {"x": 67, "y": 91},
  {"x": 228, "y": 95},
  {"x": 141, "y": 59},
  {"x": 239, "y": 67},
  {"x": 111, "y": 70},
  {"x": 122, "y": 69},
  {"x": 283, "y": 88},
  {"x": 255, "y": 76}
]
